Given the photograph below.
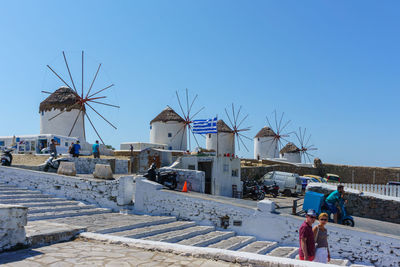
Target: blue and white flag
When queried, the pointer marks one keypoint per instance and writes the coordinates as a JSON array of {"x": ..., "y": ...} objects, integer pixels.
[{"x": 205, "y": 126}]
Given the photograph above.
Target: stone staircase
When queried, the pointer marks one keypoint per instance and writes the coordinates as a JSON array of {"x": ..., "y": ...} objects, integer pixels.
[{"x": 45, "y": 209}]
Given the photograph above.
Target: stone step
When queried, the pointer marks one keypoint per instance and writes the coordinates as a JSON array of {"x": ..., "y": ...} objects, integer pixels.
[
  {"x": 27, "y": 196},
  {"x": 18, "y": 192},
  {"x": 27, "y": 200},
  {"x": 49, "y": 204},
  {"x": 284, "y": 252},
  {"x": 154, "y": 229},
  {"x": 176, "y": 236},
  {"x": 259, "y": 247},
  {"x": 63, "y": 214},
  {"x": 234, "y": 243},
  {"x": 207, "y": 239},
  {"x": 54, "y": 208},
  {"x": 339, "y": 262},
  {"x": 114, "y": 222}
]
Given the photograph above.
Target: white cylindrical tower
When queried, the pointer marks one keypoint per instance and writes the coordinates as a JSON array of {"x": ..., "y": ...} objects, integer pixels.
[
  {"x": 291, "y": 153},
  {"x": 63, "y": 99},
  {"x": 169, "y": 128},
  {"x": 224, "y": 139},
  {"x": 265, "y": 145}
]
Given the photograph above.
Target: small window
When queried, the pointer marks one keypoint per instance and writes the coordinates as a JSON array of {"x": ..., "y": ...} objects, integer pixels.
[
  {"x": 209, "y": 135},
  {"x": 169, "y": 134},
  {"x": 258, "y": 139},
  {"x": 191, "y": 167},
  {"x": 150, "y": 127},
  {"x": 226, "y": 167},
  {"x": 235, "y": 173},
  {"x": 1, "y": 143},
  {"x": 170, "y": 148},
  {"x": 42, "y": 113},
  {"x": 66, "y": 144}
]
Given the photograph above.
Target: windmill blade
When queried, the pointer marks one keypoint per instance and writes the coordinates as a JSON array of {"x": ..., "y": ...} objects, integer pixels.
[
  {"x": 69, "y": 72},
  {"x": 187, "y": 102},
  {"x": 114, "y": 106},
  {"x": 76, "y": 119},
  {"x": 237, "y": 139},
  {"x": 65, "y": 109},
  {"x": 188, "y": 133},
  {"x": 312, "y": 149},
  {"x": 191, "y": 105},
  {"x": 287, "y": 123},
  {"x": 226, "y": 112},
  {"x": 243, "y": 143},
  {"x": 280, "y": 122},
  {"x": 46, "y": 92},
  {"x": 82, "y": 74},
  {"x": 248, "y": 138},
  {"x": 244, "y": 129},
  {"x": 237, "y": 116},
  {"x": 173, "y": 137},
  {"x": 196, "y": 113},
  {"x": 309, "y": 160},
  {"x": 287, "y": 141},
  {"x": 194, "y": 136},
  {"x": 94, "y": 79},
  {"x": 101, "y": 116},
  {"x": 234, "y": 117},
  {"x": 298, "y": 138},
  {"x": 240, "y": 123},
  {"x": 59, "y": 76},
  {"x": 101, "y": 90},
  {"x": 184, "y": 130},
  {"x": 180, "y": 105},
  {"x": 304, "y": 136},
  {"x": 94, "y": 128},
  {"x": 308, "y": 140},
  {"x": 269, "y": 124},
  {"x": 276, "y": 122}
]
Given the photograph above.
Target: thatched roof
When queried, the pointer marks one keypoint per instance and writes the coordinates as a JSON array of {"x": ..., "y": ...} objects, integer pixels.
[
  {"x": 265, "y": 132},
  {"x": 222, "y": 127},
  {"x": 62, "y": 98},
  {"x": 168, "y": 114},
  {"x": 290, "y": 148}
]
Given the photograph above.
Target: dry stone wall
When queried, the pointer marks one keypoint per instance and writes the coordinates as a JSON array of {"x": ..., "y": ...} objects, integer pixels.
[
  {"x": 13, "y": 219},
  {"x": 365, "y": 204}
]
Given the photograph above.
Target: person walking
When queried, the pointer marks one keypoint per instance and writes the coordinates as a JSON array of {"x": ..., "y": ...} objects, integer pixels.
[
  {"x": 53, "y": 148},
  {"x": 77, "y": 147},
  {"x": 71, "y": 149},
  {"x": 96, "y": 150},
  {"x": 322, "y": 253},
  {"x": 306, "y": 237}
]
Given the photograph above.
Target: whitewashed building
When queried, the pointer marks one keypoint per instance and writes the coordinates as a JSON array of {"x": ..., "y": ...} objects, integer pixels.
[
  {"x": 169, "y": 128},
  {"x": 265, "y": 145},
  {"x": 222, "y": 142},
  {"x": 63, "y": 99},
  {"x": 291, "y": 153}
]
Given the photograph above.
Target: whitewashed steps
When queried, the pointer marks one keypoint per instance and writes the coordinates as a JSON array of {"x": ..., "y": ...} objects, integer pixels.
[
  {"x": 30, "y": 204},
  {"x": 207, "y": 239},
  {"x": 284, "y": 252},
  {"x": 55, "y": 208},
  {"x": 65, "y": 213},
  {"x": 234, "y": 243},
  {"x": 14, "y": 192},
  {"x": 154, "y": 229},
  {"x": 337, "y": 262},
  {"x": 114, "y": 222},
  {"x": 25, "y": 195},
  {"x": 259, "y": 247},
  {"x": 27, "y": 200},
  {"x": 176, "y": 236}
]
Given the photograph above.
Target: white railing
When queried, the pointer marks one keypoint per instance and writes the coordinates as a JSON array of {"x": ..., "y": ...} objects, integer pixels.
[{"x": 382, "y": 189}]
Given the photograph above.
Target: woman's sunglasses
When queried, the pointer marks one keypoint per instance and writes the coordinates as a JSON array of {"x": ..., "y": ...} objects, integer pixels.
[{"x": 323, "y": 219}]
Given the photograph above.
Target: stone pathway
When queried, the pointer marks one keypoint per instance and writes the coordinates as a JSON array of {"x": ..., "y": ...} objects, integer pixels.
[{"x": 83, "y": 253}]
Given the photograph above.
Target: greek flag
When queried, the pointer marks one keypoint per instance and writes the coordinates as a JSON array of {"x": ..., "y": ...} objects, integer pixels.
[{"x": 205, "y": 126}]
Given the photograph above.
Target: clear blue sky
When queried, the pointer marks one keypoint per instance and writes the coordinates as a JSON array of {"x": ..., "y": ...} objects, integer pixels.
[{"x": 331, "y": 66}]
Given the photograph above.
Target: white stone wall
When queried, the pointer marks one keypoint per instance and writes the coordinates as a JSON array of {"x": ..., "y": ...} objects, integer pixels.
[
  {"x": 355, "y": 245},
  {"x": 225, "y": 141},
  {"x": 195, "y": 179},
  {"x": 265, "y": 147},
  {"x": 62, "y": 124},
  {"x": 291, "y": 157},
  {"x": 87, "y": 165},
  {"x": 159, "y": 134},
  {"x": 114, "y": 194},
  {"x": 13, "y": 220}
]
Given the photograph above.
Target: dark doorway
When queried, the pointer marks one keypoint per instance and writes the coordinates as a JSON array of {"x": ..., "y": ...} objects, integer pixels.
[{"x": 206, "y": 168}]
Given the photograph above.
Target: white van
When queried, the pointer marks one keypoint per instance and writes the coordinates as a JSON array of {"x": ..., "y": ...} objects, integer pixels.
[{"x": 289, "y": 183}]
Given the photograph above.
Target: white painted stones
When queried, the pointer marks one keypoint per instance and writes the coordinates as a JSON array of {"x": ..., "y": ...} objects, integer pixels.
[
  {"x": 103, "y": 171},
  {"x": 67, "y": 168}
]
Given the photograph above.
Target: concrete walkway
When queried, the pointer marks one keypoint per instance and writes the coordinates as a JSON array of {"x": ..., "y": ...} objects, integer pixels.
[{"x": 83, "y": 253}]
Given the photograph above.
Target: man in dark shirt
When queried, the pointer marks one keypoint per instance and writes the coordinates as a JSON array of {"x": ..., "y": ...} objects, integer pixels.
[
  {"x": 306, "y": 237},
  {"x": 53, "y": 148}
]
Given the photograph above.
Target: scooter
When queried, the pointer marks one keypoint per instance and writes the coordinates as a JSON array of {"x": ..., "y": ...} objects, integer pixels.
[
  {"x": 253, "y": 190},
  {"x": 166, "y": 178},
  {"x": 343, "y": 217},
  {"x": 53, "y": 163},
  {"x": 271, "y": 189},
  {"x": 6, "y": 157}
]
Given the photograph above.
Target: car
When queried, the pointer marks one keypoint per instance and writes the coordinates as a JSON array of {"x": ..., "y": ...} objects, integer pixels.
[
  {"x": 393, "y": 183},
  {"x": 306, "y": 180},
  {"x": 318, "y": 179},
  {"x": 289, "y": 183},
  {"x": 332, "y": 178}
]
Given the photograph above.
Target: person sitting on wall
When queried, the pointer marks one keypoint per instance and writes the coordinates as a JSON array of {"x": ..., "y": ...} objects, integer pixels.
[
  {"x": 77, "y": 147},
  {"x": 53, "y": 148},
  {"x": 96, "y": 150},
  {"x": 333, "y": 199}
]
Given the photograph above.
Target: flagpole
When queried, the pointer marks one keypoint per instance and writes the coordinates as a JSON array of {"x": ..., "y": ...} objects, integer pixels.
[{"x": 217, "y": 135}]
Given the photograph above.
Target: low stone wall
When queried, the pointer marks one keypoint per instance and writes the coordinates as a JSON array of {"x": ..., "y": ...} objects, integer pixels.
[
  {"x": 365, "y": 204},
  {"x": 347, "y": 243},
  {"x": 256, "y": 172},
  {"x": 87, "y": 165},
  {"x": 114, "y": 194},
  {"x": 195, "y": 179},
  {"x": 13, "y": 220}
]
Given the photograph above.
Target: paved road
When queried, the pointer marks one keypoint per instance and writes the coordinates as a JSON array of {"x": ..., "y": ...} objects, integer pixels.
[{"x": 83, "y": 253}]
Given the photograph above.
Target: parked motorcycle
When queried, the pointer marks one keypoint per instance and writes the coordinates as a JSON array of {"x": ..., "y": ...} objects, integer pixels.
[
  {"x": 53, "y": 163},
  {"x": 343, "y": 217},
  {"x": 6, "y": 157},
  {"x": 166, "y": 178},
  {"x": 271, "y": 189},
  {"x": 253, "y": 190}
]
